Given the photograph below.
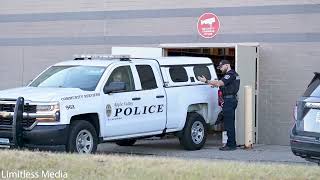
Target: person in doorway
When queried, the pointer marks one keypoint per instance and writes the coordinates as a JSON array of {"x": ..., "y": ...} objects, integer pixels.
[{"x": 229, "y": 85}]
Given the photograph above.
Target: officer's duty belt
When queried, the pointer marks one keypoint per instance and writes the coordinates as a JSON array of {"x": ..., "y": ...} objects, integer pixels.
[{"x": 230, "y": 96}]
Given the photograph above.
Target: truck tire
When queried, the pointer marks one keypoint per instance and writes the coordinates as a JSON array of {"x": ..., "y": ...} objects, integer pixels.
[
  {"x": 126, "y": 142},
  {"x": 194, "y": 133},
  {"x": 82, "y": 138}
]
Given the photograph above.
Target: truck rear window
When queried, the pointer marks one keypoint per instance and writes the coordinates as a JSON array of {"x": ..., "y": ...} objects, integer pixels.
[
  {"x": 314, "y": 87},
  {"x": 147, "y": 79},
  {"x": 178, "y": 74},
  {"x": 202, "y": 70}
]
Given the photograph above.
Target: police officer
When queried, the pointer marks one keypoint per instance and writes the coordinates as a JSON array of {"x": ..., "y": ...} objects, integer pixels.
[{"x": 229, "y": 85}]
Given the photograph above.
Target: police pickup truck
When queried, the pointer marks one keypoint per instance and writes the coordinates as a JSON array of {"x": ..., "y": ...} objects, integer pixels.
[{"x": 102, "y": 98}]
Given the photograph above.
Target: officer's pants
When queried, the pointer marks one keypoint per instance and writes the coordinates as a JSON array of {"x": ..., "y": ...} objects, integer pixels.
[{"x": 229, "y": 106}]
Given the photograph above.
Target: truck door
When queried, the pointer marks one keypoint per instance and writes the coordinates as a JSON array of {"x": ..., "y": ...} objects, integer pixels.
[
  {"x": 128, "y": 112},
  {"x": 153, "y": 97},
  {"x": 119, "y": 117}
]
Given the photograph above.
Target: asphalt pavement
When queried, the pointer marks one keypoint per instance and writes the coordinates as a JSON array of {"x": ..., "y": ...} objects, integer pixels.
[{"x": 170, "y": 147}]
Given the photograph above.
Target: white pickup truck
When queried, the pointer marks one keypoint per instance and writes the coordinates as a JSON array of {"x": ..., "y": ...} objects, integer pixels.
[{"x": 101, "y": 98}]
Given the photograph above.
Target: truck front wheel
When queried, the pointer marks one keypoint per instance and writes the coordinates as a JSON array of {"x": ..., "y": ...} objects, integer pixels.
[
  {"x": 194, "y": 133},
  {"x": 82, "y": 138}
]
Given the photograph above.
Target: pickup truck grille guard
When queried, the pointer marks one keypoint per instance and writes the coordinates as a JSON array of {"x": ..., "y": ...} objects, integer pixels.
[
  {"x": 18, "y": 123},
  {"x": 13, "y": 124},
  {"x": 17, "y": 128}
]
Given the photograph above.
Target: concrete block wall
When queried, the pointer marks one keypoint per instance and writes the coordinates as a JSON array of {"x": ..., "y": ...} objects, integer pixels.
[
  {"x": 35, "y": 34},
  {"x": 285, "y": 71}
]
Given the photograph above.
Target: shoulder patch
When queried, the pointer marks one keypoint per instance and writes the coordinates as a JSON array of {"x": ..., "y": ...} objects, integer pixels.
[{"x": 227, "y": 76}]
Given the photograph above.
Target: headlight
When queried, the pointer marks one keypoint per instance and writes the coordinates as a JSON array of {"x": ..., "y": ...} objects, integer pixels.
[
  {"x": 47, "y": 107},
  {"x": 47, "y": 111}
]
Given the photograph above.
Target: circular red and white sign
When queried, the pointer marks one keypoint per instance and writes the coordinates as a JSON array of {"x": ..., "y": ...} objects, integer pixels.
[{"x": 208, "y": 25}]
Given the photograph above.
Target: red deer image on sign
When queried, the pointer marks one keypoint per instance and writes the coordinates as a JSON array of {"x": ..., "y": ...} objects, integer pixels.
[{"x": 208, "y": 25}]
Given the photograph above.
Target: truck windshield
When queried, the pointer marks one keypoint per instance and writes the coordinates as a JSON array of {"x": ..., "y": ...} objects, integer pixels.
[
  {"x": 82, "y": 77},
  {"x": 313, "y": 87}
]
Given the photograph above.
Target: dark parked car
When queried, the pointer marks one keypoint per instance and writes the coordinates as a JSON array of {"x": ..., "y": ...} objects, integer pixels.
[{"x": 305, "y": 134}]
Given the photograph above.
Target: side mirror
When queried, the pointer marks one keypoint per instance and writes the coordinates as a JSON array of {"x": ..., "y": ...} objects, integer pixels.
[{"x": 114, "y": 87}]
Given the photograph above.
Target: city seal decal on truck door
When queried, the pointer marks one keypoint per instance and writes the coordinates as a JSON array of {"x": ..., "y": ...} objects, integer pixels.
[{"x": 108, "y": 110}]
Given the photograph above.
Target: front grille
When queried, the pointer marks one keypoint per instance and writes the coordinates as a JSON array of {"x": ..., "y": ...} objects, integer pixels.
[
  {"x": 7, "y": 107},
  {"x": 10, "y": 108}
]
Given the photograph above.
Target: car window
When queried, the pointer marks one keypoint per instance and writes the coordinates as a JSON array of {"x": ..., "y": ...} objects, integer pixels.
[
  {"x": 82, "y": 77},
  {"x": 200, "y": 70},
  {"x": 146, "y": 75},
  {"x": 122, "y": 74},
  {"x": 178, "y": 74}
]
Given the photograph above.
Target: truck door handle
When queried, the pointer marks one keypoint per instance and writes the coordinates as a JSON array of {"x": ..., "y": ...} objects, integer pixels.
[
  {"x": 136, "y": 99},
  {"x": 160, "y": 96}
]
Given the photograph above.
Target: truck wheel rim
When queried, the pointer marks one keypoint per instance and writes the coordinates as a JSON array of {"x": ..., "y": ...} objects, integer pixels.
[
  {"x": 84, "y": 141},
  {"x": 197, "y": 132}
]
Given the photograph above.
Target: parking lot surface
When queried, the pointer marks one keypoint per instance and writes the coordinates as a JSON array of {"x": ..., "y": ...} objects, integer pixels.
[{"x": 169, "y": 147}]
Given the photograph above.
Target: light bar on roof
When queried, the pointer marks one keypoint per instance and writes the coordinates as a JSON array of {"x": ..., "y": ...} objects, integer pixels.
[{"x": 99, "y": 57}]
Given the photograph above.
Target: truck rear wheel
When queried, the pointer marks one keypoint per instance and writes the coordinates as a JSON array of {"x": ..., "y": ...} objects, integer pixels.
[
  {"x": 82, "y": 138},
  {"x": 194, "y": 133},
  {"x": 126, "y": 142}
]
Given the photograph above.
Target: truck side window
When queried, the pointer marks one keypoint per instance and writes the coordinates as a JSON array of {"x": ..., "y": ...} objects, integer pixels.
[
  {"x": 146, "y": 75},
  {"x": 122, "y": 74},
  {"x": 200, "y": 70},
  {"x": 178, "y": 74}
]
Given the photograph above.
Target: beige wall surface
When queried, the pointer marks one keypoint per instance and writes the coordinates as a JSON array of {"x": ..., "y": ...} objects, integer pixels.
[
  {"x": 160, "y": 26},
  {"x": 285, "y": 71},
  {"x": 39, "y": 6},
  {"x": 35, "y": 34}
]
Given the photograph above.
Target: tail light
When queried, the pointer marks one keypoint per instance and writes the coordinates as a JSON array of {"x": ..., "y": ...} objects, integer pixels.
[
  {"x": 294, "y": 112},
  {"x": 295, "y": 117},
  {"x": 220, "y": 98}
]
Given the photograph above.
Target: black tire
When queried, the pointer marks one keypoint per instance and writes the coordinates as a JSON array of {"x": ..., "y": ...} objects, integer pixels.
[
  {"x": 77, "y": 129},
  {"x": 195, "y": 142},
  {"x": 126, "y": 142}
]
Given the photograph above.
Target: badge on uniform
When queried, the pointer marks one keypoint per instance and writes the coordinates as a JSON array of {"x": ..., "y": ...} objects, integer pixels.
[{"x": 227, "y": 76}]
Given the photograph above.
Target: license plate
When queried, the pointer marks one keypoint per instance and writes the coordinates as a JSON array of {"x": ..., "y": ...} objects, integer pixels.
[{"x": 4, "y": 141}]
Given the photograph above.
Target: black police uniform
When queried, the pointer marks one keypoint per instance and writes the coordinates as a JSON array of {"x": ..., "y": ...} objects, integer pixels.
[{"x": 230, "y": 89}]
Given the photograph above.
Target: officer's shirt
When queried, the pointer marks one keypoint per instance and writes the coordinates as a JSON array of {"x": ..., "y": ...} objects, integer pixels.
[{"x": 231, "y": 82}]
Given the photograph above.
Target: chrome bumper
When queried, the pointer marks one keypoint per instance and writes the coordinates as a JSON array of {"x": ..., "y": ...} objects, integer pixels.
[{"x": 29, "y": 115}]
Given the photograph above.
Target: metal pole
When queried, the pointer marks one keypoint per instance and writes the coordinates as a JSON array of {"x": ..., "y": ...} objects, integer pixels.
[{"x": 248, "y": 117}]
